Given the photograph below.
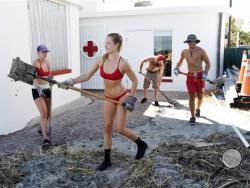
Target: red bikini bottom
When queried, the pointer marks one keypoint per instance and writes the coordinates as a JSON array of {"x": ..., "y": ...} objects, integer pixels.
[{"x": 117, "y": 98}]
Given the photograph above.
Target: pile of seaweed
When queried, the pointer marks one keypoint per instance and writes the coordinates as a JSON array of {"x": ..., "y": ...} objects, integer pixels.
[
  {"x": 198, "y": 162},
  {"x": 74, "y": 166}
]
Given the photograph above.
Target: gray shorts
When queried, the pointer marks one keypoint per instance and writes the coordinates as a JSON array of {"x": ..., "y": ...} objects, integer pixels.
[{"x": 153, "y": 77}]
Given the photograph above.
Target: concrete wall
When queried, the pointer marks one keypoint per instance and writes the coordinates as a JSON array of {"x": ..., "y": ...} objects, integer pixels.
[
  {"x": 204, "y": 24},
  {"x": 16, "y": 103}
]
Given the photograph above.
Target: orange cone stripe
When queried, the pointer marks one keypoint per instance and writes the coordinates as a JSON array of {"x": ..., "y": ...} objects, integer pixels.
[
  {"x": 245, "y": 89},
  {"x": 247, "y": 73},
  {"x": 244, "y": 62},
  {"x": 242, "y": 69}
]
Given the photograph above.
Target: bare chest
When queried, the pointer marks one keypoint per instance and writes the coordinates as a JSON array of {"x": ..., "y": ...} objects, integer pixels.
[
  {"x": 193, "y": 57},
  {"x": 154, "y": 64}
]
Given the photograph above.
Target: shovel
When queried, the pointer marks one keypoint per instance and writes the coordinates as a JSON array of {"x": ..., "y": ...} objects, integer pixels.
[
  {"x": 209, "y": 81},
  {"x": 21, "y": 71},
  {"x": 170, "y": 101}
]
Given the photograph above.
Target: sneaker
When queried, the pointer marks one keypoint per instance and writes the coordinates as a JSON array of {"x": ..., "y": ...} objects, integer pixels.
[
  {"x": 144, "y": 100},
  {"x": 156, "y": 103},
  {"x": 192, "y": 121},
  {"x": 198, "y": 113}
]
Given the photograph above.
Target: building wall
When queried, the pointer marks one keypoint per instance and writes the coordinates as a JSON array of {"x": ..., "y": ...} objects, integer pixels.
[
  {"x": 222, "y": 41},
  {"x": 17, "y": 106},
  {"x": 61, "y": 96},
  {"x": 203, "y": 24}
]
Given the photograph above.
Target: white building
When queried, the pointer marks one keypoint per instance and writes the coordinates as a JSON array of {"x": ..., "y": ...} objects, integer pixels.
[
  {"x": 27, "y": 23},
  {"x": 24, "y": 25},
  {"x": 153, "y": 29}
]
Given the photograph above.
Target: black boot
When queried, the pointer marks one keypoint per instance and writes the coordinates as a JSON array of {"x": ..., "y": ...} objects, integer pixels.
[
  {"x": 46, "y": 144},
  {"x": 106, "y": 162},
  {"x": 144, "y": 100},
  {"x": 141, "y": 148}
]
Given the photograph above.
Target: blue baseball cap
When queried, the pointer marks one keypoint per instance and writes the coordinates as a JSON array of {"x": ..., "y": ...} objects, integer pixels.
[{"x": 42, "y": 48}]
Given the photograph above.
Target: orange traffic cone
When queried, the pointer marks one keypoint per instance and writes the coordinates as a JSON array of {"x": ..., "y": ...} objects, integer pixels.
[
  {"x": 243, "y": 66},
  {"x": 245, "y": 89}
]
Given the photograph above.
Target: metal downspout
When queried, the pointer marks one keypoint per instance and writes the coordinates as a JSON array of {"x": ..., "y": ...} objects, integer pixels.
[{"x": 219, "y": 46}]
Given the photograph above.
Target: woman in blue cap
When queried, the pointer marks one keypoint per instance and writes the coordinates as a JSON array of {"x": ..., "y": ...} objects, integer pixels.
[{"x": 41, "y": 91}]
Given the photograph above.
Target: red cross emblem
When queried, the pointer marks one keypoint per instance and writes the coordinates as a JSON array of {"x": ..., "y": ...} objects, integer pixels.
[{"x": 90, "y": 48}]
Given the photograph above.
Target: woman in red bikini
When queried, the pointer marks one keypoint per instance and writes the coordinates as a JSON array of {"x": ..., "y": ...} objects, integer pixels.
[
  {"x": 112, "y": 69},
  {"x": 41, "y": 91}
]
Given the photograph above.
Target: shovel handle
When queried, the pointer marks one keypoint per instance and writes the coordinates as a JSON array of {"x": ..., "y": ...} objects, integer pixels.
[
  {"x": 209, "y": 81},
  {"x": 93, "y": 94},
  {"x": 79, "y": 90},
  {"x": 157, "y": 85},
  {"x": 183, "y": 73}
]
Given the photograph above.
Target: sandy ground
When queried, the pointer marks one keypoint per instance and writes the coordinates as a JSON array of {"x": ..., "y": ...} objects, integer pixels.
[{"x": 79, "y": 126}]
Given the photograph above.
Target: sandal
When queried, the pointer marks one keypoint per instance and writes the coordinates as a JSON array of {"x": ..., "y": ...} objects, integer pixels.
[{"x": 46, "y": 144}]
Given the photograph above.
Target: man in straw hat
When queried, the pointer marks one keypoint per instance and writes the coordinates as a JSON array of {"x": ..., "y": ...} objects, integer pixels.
[{"x": 196, "y": 76}]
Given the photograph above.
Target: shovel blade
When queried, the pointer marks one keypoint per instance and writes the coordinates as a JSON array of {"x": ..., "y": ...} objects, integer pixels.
[{"x": 21, "y": 71}]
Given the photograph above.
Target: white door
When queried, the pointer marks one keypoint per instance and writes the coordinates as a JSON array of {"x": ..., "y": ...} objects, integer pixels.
[
  {"x": 95, "y": 34},
  {"x": 138, "y": 45}
]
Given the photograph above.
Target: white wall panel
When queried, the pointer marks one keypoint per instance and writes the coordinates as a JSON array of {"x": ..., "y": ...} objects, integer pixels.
[
  {"x": 96, "y": 33},
  {"x": 48, "y": 26}
]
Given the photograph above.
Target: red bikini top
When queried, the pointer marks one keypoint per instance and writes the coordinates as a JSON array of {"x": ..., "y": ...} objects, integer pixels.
[
  {"x": 116, "y": 75},
  {"x": 41, "y": 72}
]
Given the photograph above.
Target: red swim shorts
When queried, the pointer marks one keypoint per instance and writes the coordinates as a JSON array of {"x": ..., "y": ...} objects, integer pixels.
[{"x": 194, "y": 83}]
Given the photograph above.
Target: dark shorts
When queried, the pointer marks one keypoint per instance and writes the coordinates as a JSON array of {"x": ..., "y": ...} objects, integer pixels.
[{"x": 35, "y": 93}]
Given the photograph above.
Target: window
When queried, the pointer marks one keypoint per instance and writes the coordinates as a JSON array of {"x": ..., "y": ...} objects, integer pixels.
[
  {"x": 163, "y": 45},
  {"x": 248, "y": 53},
  {"x": 142, "y": 3},
  {"x": 47, "y": 20}
]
